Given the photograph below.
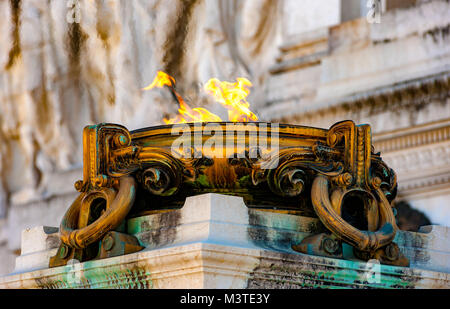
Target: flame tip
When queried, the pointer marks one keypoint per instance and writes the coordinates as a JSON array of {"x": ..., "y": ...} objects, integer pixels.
[{"x": 231, "y": 95}]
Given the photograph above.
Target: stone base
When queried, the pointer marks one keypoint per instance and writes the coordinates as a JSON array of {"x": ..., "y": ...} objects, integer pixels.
[
  {"x": 215, "y": 241},
  {"x": 207, "y": 265}
]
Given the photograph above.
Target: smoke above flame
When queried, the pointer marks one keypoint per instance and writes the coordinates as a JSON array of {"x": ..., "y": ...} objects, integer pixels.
[{"x": 230, "y": 95}]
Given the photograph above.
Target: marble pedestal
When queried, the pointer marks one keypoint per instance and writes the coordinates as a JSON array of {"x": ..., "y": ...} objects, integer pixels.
[{"x": 215, "y": 241}]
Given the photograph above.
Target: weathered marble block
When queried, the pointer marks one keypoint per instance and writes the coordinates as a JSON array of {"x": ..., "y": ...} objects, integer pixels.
[
  {"x": 38, "y": 245},
  {"x": 215, "y": 241}
]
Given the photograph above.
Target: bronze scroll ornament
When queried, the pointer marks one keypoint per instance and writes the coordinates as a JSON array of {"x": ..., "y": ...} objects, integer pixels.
[{"x": 333, "y": 174}]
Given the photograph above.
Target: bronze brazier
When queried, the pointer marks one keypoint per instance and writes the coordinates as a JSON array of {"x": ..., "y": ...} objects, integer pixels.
[{"x": 332, "y": 174}]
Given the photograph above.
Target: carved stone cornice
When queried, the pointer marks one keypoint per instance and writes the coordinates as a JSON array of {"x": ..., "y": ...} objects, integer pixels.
[
  {"x": 420, "y": 156},
  {"x": 302, "y": 51},
  {"x": 412, "y": 137},
  {"x": 421, "y": 169},
  {"x": 412, "y": 93}
]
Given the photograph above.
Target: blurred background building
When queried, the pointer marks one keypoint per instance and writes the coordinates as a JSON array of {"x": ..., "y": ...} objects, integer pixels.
[{"x": 65, "y": 64}]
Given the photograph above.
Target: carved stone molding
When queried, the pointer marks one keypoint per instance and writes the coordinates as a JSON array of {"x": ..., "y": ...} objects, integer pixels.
[
  {"x": 421, "y": 170},
  {"x": 411, "y": 95},
  {"x": 420, "y": 156},
  {"x": 412, "y": 137}
]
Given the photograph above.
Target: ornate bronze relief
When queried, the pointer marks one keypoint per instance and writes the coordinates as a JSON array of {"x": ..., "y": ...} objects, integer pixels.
[{"x": 330, "y": 174}]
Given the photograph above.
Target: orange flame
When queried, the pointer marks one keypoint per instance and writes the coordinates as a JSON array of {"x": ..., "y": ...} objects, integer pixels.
[
  {"x": 162, "y": 79},
  {"x": 186, "y": 114},
  {"x": 231, "y": 95}
]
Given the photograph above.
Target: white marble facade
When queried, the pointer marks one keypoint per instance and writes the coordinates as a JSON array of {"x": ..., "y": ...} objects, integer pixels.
[{"x": 311, "y": 62}]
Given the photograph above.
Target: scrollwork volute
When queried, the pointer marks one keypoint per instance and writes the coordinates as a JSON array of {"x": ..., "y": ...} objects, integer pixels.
[
  {"x": 368, "y": 179},
  {"x": 162, "y": 176},
  {"x": 105, "y": 198},
  {"x": 287, "y": 181}
]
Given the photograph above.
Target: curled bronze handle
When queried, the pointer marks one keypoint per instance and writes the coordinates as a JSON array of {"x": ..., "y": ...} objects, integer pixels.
[
  {"x": 363, "y": 240},
  {"x": 118, "y": 204}
]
